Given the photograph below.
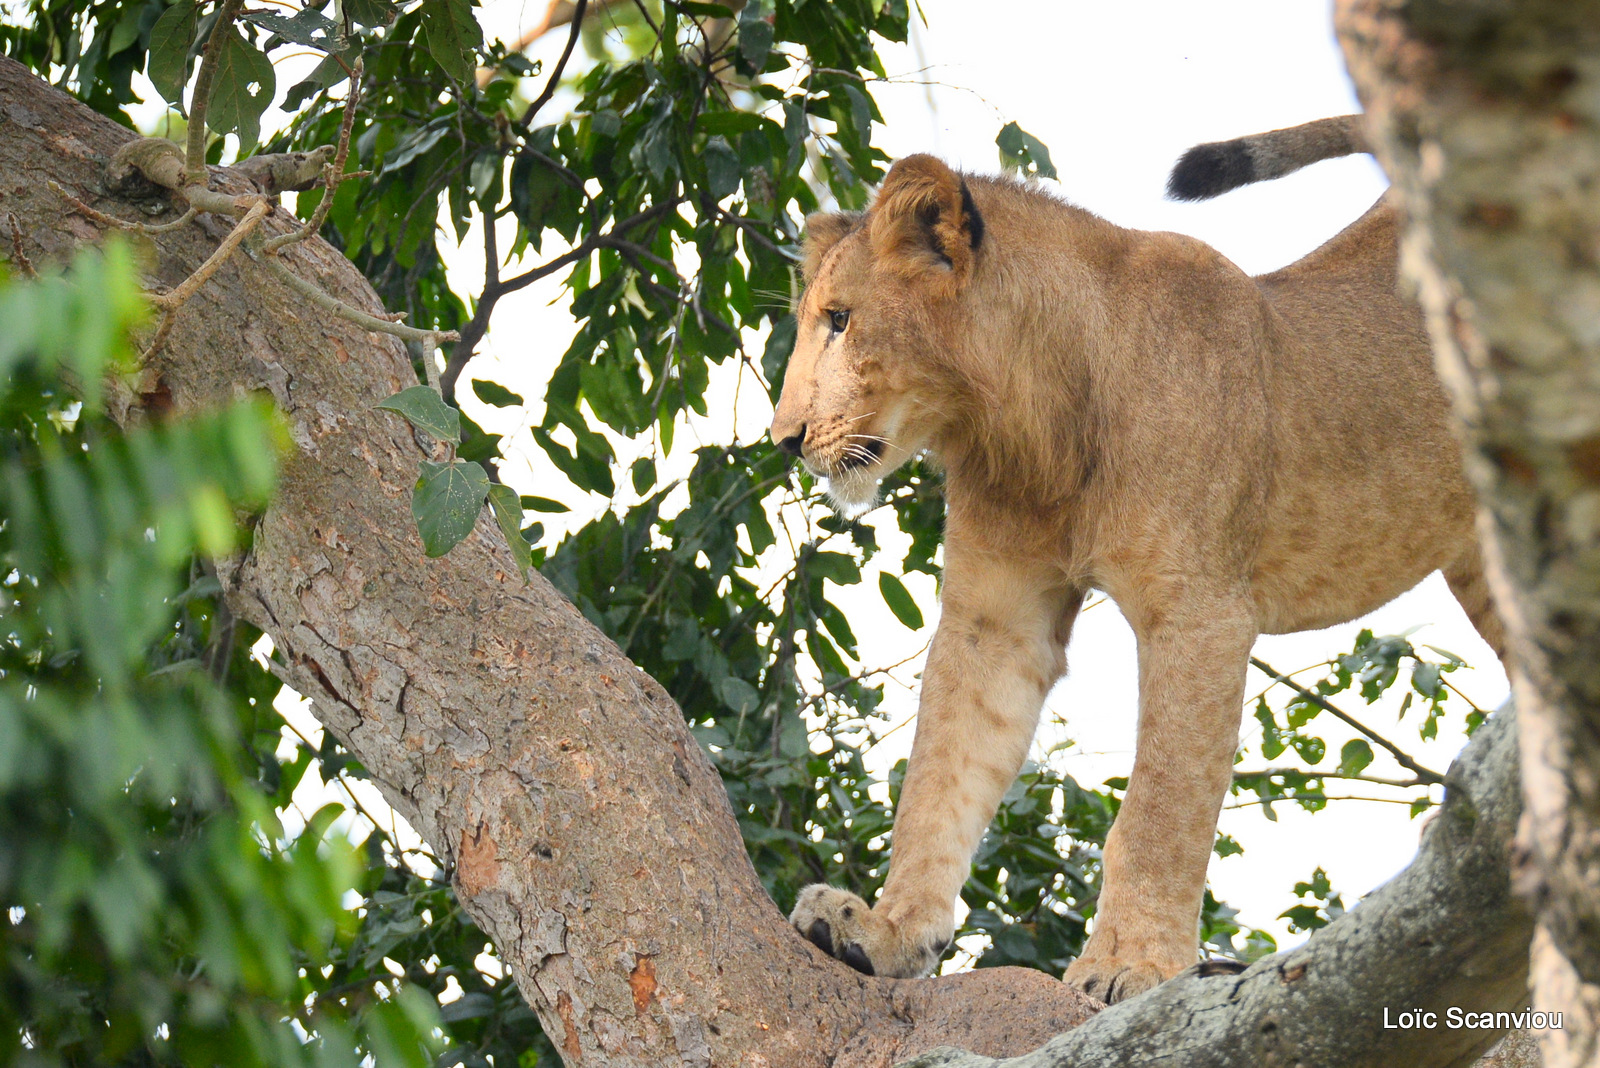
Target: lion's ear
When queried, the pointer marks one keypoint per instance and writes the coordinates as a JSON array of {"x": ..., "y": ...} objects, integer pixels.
[
  {"x": 825, "y": 229},
  {"x": 924, "y": 219}
]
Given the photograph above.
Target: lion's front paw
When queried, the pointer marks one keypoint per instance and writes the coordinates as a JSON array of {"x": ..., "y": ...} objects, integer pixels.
[
  {"x": 844, "y": 926},
  {"x": 1113, "y": 979}
]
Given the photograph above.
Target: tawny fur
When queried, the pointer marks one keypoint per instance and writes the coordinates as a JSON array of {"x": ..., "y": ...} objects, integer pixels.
[{"x": 1225, "y": 456}]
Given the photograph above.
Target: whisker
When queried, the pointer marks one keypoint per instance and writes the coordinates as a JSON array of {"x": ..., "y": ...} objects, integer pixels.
[
  {"x": 869, "y": 437},
  {"x": 858, "y": 418}
]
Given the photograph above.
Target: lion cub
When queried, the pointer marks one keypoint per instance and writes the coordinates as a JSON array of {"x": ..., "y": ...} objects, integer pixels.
[{"x": 1225, "y": 456}]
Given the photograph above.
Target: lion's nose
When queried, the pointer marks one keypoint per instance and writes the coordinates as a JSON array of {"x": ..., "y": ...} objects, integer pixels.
[{"x": 792, "y": 443}]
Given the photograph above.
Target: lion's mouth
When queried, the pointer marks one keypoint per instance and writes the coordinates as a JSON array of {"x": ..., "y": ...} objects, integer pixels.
[{"x": 858, "y": 455}]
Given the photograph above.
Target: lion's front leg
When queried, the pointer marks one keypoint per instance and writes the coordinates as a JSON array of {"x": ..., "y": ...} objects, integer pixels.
[
  {"x": 999, "y": 648},
  {"x": 1191, "y": 688}
]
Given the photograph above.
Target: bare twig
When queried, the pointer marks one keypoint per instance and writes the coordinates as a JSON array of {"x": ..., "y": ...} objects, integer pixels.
[
  {"x": 18, "y": 256},
  {"x": 430, "y": 363},
  {"x": 1425, "y": 774},
  {"x": 341, "y": 310},
  {"x": 103, "y": 219},
  {"x": 194, "y": 171},
  {"x": 160, "y": 336},
  {"x": 332, "y": 174},
  {"x": 561, "y": 65},
  {"x": 174, "y": 300},
  {"x": 495, "y": 287},
  {"x": 1311, "y": 773}
]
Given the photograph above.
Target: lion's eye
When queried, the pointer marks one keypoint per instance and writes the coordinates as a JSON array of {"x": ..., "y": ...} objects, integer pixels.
[{"x": 839, "y": 320}]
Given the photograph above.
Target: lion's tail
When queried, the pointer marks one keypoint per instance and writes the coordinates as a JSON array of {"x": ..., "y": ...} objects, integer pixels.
[{"x": 1210, "y": 170}]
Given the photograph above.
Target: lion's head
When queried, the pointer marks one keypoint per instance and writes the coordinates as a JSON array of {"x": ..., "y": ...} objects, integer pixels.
[{"x": 867, "y": 386}]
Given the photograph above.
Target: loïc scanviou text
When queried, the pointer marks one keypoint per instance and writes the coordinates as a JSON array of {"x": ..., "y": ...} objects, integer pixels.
[{"x": 1457, "y": 1019}]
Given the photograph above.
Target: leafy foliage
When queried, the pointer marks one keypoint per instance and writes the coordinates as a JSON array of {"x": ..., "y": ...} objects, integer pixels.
[
  {"x": 1369, "y": 669},
  {"x": 156, "y": 909}
]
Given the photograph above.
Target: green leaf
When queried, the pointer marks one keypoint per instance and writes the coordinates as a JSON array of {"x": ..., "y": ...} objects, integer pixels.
[
  {"x": 446, "y": 503},
  {"x": 452, "y": 35},
  {"x": 170, "y": 39},
  {"x": 738, "y": 695},
  {"x": 780, "y": 344},
  {"x": 542, "y": 504},
  {"x": 730, "y": 122},
  {"x": 1354, "y": 757},
  {"x": 306, "y": 27},
  {"x": 1425, "y": 680},
  {"x": 1021, "y": 151},
  {"x": 424, "y": 409},
  {"x": 508, "y": 513},
  {"x": 643, "y": 473},
  {"x": 242, "y": 86},
  {"x": 839, "y": 567},
  {"x": 467, "y": 1007},
  {"x": 755, "y": 32},
  {"x": 324, "y": 74},
  {"x": 899, "y": 600},
  {"x": 496, "y": 394},
  {"x": 373, "y": 13},
  {"x": 723, "y": 173}
]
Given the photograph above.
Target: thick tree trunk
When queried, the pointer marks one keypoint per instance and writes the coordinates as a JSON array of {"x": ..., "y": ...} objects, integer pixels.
[
  {"x": 1485, "y": 114},
  {"x": 584, "y": 828}
]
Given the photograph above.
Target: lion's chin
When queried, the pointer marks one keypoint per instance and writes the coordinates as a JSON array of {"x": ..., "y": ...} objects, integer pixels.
[{"x": 854, "y": 491}]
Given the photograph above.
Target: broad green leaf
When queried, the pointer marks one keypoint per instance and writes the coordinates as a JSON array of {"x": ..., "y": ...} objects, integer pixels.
[
  {"x": 1354, "y": 757},
  {"x": 170, "y": 39},
  {"x": 324, "y": 74},
  {"x": 452, "y": 35},
  {"x": 722, "y": 168},
  {"x": 306, "y": 27},
  {"x": 424, "y": 409},
  {"x": 446, "y": 503},
  {"x": 729, "y": 122},
  {"x": 496, "y": 394},
  {"x": 372, "y": 13},
  {"x": 836, "y": 566},
  {"x": 508, "y": 513},
  {"x": 755, "y": 32},
  {"x": 643, "y": 474},
  {"x": 241, "y": 89},
  {"x": 780, "y": 344},
  {"x": 899, "y": 600},
  {"x": 738, "y": 695},
  {"x": 1021, "y": 151},
  {"x": 542, "y": 504},
  {"x": 1425, "y": 679}
]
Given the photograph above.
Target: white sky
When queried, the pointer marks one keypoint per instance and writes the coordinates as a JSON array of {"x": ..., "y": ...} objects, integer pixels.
[{"x": 1118, "y": 91}]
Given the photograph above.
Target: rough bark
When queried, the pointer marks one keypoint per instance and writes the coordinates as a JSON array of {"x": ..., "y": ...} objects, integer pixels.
[
  {"x": 1486, "y": 114},
  {"x": 585, "y": 829}
]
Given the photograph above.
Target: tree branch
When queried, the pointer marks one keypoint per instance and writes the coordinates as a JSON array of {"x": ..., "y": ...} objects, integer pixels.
[
  {"x": 1427, "y": 775},
  {"x": 494, "y": 288},
  {"x": 554, "y": 83}
]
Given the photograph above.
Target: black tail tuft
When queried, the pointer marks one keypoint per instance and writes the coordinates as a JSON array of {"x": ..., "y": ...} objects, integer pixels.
[{"x": 1206, "y": 171}]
